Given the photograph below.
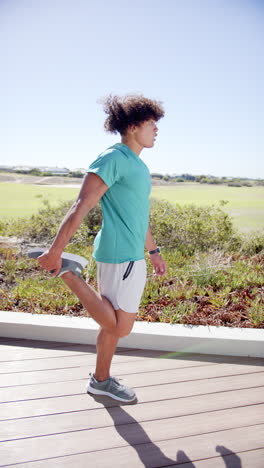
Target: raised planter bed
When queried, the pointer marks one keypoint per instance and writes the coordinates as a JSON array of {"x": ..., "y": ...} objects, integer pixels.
[{"x": 145, "y": 335}]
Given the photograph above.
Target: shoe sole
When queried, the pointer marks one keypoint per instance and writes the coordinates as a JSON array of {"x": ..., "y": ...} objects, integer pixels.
[
  {"x": 95, "y": 391},
  {"x": 80, "y": 262},
  {"x": 35, "y": 253}
]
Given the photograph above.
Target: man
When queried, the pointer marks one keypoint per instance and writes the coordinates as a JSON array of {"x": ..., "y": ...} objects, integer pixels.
[{"x": 122, "y": 183}]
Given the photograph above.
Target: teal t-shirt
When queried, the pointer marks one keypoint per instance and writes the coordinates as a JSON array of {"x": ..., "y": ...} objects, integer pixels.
[{"x": 125, "y": 205}]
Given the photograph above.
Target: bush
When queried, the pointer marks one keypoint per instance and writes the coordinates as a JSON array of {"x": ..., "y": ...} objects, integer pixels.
[
  {"x": 252, "y": 243},
  {"x": 215, "y": 181},
  {"x": 190, "y": 228},
  {"x": 247, "y": 184},
  {"x": 43, "y": 226},
  {"x": 186, "y": 228},
  {"x": 77, "y": 174},
  {"x": 35, "y": 171}
]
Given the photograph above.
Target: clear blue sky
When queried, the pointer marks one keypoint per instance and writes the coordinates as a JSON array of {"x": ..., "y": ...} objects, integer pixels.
[{"x": 202, "y": 58}]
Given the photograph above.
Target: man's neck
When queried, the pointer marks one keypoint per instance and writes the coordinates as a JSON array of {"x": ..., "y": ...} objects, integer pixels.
[{"x": 132, "y": 144}]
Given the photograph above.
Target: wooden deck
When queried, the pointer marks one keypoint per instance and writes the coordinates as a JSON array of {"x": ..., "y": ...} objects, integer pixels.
[{"x": 193, "y": 411}]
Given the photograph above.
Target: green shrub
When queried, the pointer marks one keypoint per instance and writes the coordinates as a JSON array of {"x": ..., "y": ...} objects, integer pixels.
[
  {"x": 190, "y": 228},
  {"x": 209, "y": 268},
  {"x": 256, "y": 310},
  {"x": 252, "y": 243},
  {"x": 43, "y": 226},
  {"x": 187, "y": 228},
  {"x": 247, "y": 184},
  {"x": 215, "y": 181}
]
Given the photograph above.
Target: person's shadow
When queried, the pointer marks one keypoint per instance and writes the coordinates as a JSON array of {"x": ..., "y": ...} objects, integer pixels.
[
  {"x": 150, "y": 455},
  {"x": 231, "y": 460}
]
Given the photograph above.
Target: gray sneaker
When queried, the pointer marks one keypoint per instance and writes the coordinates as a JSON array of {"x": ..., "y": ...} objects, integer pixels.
[
  {"x": 70, "y": 262},
  {"x": 111, "y": 388}
]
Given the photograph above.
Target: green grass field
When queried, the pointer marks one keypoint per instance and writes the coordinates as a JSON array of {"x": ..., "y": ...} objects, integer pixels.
[
  {"x": 245, "y": 204},
  {"x": 25, "y": 199}
]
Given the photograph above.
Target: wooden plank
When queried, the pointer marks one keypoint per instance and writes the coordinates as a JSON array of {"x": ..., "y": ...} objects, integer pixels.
[
  {"x": 127, "y": 356},
  {"x": 44, "y": 349},
  {"x": 81, "y": 359},
  {"x": 248, "y": 459},
  {"x": 245, "y": 459},
  {"x": 36, "y": 353},
  {"x": 76, "y": 372},
  {"x": 135, "y": 434},
  {"x": 12, "y": 346},
  {"x": 43, "y": 344},
  {"x": 26, "y": 348},
  {"x": 85, "y": 419},
  {"x": 131, "y": 364},
  {"x": 213, "y": 358},
  {"x": 78, "y": 400},
  {"x": 18, "y": 354},
  {"x": 123, "y": 365},
  {"x": 26, "y": 342},
  {"x": 17, "y": 357}
]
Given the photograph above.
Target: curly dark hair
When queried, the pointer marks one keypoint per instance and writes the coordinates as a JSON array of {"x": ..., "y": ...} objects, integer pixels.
[{"x": 131, "y": 109}]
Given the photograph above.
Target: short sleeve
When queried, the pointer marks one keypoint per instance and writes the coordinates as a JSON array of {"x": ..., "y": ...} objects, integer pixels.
[{"x": 109, "y": 166}]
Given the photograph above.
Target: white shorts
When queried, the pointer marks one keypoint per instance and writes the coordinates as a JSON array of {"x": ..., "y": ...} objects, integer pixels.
[{"x": 122, "y": 283}]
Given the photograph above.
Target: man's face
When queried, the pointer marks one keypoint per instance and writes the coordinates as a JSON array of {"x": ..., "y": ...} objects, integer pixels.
[{"x": 145, "y": 133}]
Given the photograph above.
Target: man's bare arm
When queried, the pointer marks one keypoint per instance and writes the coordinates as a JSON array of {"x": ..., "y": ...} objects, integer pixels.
[
  {"x": 157, "y": 261},
  {"x": 93, "y": 188},
  {"x": 150, "y": 243}
]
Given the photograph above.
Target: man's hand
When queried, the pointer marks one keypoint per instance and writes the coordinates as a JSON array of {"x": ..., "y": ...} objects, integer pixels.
[
  {"x": 159, "y": 264},
  {"x": 50, "y": 262}
]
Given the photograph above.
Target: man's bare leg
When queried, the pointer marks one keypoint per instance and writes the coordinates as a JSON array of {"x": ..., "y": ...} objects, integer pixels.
[
  {"x": 105, "y": 346},
  {"x": 107, "y": 342},
  {"x": 114, "y": 323},
  {"x": 100, "y": 309}
]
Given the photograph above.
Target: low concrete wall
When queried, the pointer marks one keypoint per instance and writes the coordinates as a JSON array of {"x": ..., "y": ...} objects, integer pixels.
[{"x": 145, "y": 335}]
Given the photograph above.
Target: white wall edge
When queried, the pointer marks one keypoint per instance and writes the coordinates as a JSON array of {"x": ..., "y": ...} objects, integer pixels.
[{"x": 145, "y": 335}]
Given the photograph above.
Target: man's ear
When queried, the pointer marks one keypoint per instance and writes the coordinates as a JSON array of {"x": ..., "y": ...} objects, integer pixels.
[{"x": 131, "y": 128}]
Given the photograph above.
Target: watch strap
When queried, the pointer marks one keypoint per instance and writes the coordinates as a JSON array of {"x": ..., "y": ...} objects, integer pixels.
[{"x": 157, "y": 250}]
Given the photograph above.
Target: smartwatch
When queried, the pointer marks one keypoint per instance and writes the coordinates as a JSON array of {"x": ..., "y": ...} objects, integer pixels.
[{"x": 157, "y": 250}]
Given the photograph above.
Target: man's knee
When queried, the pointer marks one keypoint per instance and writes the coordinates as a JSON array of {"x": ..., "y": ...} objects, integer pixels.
[
  {"x": 123, "y": 332},
  {"x": 124, "y": 324},
  {"x": 119, "y": 332}
]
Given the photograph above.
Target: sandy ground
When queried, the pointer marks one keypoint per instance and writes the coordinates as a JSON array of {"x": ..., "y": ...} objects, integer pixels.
[{"x": 36, "y": 180}]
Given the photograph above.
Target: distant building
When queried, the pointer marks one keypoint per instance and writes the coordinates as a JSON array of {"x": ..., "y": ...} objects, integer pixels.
[
  {"x": 54, "y": 170},
  {"x": 6, "y": 168},
  {"x": 79, "y": 169},
  {"x": 21, "y": 168}
]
